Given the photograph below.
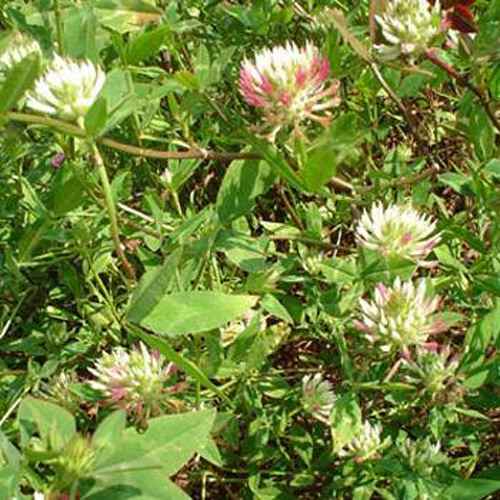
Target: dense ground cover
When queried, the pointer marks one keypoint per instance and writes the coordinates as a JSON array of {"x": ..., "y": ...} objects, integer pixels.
[{"x": 249, "y": 249}]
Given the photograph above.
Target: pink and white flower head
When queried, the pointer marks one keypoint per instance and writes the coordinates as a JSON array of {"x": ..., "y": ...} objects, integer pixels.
[
  {"x": 133, "y": 380},
  {"x": 400, "y": 317},
  {"x": 397, "y": 231},
  {"x": 67, "y": 89},
  {"x": 289, "y": 85}
]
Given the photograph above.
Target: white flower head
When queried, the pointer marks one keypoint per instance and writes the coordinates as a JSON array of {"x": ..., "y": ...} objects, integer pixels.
[
  {"x": 67, "y": 89},
  {"x": 409, "y": 27},
  {"x": 397, "y": 231},
  {"x": 288, "y": 84},
  {"x": 318, "y": 397},
  {"x": 400, "y": 316},
  {"x": 20, "y": 46},
  {"x": 366, "y": 444},
  {"x": 132, "y": 380}
]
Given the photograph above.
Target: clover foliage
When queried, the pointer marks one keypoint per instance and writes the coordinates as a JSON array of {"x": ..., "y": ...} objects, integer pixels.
[{"x": 249, "y": 249}]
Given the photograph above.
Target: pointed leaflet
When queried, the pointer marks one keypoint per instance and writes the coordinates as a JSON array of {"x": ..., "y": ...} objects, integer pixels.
[
  {"x": 19, "y": 79},
  {"x": 197, "y": 311}
]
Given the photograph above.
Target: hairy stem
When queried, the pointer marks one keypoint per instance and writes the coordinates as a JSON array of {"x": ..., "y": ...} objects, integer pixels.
[
  {"x": 111, "y": 208},
  {"x": 76, "y": 131}
]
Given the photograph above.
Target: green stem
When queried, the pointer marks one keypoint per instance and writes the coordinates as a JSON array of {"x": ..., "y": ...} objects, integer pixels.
[
  {"x": 177, "y": 203},
  {"x": 289, "y": 208},
  {"x": 59, "y": 26},
  {"x": 76, "y": 131},
  {"x": 111, "y": 208}
]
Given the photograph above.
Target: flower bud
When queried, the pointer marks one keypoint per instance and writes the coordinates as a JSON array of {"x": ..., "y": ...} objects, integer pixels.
[
  {"x": 20, "y": 46},
  {"x": 318, "y": 397},
  {"x": 367, "y": 444},
  {"x": 76, "y": 461},
  {"x": 434, "y": 369},
  {"x": 422, "y": 456}
]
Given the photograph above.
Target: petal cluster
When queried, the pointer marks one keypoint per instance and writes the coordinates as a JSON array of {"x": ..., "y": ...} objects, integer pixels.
[
  {"x": 67, "y": 89},
  {"x": 318, "y": 397},
  {"x": 20, "y": 47},
  {"x": 289, "y": 84},
  {"x": 133, "y": 380},
  {"x": 397, "y": 231},
  {"x": 366, "y": 444},
  {"x": 409, "y": 27},
  {"x": 435, "y": 369},
  {"x": 422, "y": 456},
  {"x": 400, "y": 316}
]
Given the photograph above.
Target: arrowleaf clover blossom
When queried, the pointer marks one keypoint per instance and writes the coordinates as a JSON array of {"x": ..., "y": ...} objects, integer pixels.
[
  {"x": 19, "y": 47},
  {"x": 318, "y": 397},
  {"x": 133, "y": 381},
  {"x": 409, "y": 28},
  {"x": 289, "y": 84},
  {"x": 400, "y": 317},
  {"x": 422, "y": 456},
  {"x": 397, "y": 231},
  {"x": 68, "y": 88},
  {"x": 367, "y": 444},
  {"x": 435, "y": 369}
]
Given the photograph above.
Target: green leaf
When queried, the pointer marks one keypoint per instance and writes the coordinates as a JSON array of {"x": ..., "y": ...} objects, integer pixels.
[
  {"x": 146, "y": 45},
  {"x": 168, "y": 444},
  {"x": 80, "y": 33},
  {"x": 126, "y": 15},
  {"x": 273, "y": 306},
  {"x": 152, "y": 287},
  {"x": 19, "y": 79},
  {"x": 472, "y": 489},
  {"x": 55, "y": 425},
  {"x": 110, "y": 429},
  {"x": 345, "y": 421},
  {"x": 212, "y": 454},
  {"x": 243, "y": 182},
  {"x": 249, "y": 254},
  {"x": 131, "y": 484},
  {"x": 96, "y": 117},
  {"x": 9, "y": 482},
  {"x": 67, "y": 192},
  {"x": 333, "y": 148},
  {"x": 481, "y": 133},
  {"x": 478, "y": 339},
  {"x": 193, "y": 312},
  {"x": 493, "y": 168}
]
